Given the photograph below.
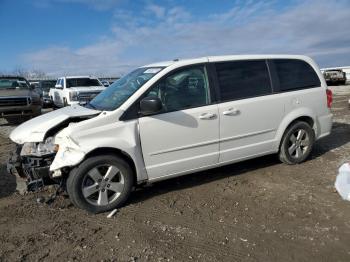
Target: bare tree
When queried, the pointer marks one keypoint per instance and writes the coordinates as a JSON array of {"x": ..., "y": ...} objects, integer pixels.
[
  {"x": 32, "y": 74},
  {"x": 20, "y": 72},
  {"x": 38, "y": 74}
]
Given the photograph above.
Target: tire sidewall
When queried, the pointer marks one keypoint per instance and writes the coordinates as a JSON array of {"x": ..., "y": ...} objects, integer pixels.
[
  {"x": 284, "y": 146},
  {"x": 77, "y": 175}
]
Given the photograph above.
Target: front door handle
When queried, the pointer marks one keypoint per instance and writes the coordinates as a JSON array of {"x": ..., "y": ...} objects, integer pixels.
[
  {"x": 207, "y": 116},
  {"x": 231, "y": 112}
]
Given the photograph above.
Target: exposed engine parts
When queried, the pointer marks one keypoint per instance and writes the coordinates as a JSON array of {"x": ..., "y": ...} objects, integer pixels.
[{"x": 34, "y": 168}]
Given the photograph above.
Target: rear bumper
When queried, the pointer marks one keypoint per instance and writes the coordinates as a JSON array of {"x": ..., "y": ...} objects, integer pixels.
[
  {"x": 324, "y": 125},
  {"x": 336, "y": 80}
]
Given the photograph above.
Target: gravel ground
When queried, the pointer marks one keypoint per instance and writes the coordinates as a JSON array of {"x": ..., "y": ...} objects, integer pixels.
[{"x": 257, "y": 210}]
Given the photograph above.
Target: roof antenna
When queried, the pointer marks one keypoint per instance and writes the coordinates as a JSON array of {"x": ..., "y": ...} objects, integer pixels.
[{"x": 176, "y": 60}]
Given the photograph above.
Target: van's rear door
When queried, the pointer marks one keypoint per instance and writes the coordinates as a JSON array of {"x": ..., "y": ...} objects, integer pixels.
[{"x": 249, "y": 112}]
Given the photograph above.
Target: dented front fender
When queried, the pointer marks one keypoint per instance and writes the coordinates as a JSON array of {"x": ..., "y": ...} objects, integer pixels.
[{"x": 78, "y": 140}]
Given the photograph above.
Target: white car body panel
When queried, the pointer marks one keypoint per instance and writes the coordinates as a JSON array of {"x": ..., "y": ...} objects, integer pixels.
[
  {"x": 184, "y": 141},
  {"x": 251, "y": 127},
  {"x": 178, "y": 143},
  {"x": 103, "y": 131}
]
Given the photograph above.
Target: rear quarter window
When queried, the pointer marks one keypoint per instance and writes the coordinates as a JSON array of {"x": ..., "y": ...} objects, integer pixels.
[{"x": 295, "y": 74}]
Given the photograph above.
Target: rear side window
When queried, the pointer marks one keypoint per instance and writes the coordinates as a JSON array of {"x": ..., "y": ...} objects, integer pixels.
[
  {"x": 77, "y": 82},
  {"x": 243, "y": 79},
  {"x": 295, "y": 74}
]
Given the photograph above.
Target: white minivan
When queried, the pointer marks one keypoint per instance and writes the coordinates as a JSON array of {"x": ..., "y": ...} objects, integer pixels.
[{"x": 173, "y": 118}]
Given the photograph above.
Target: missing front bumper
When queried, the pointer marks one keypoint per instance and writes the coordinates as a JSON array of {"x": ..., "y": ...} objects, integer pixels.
[{"x": 32, "y": 170}]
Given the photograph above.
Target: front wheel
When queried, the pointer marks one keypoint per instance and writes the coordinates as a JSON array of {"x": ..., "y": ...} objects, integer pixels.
[
  {"x": 297, "y": 143},
  {"x": 100, "y": 183}
]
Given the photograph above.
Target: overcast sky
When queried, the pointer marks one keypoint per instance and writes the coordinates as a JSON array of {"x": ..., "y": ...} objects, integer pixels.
[{"x": 110, "y": 37}]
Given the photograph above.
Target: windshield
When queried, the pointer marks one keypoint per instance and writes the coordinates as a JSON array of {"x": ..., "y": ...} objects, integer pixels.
[
  {"x": 47, "y": 84},
  {"x": 13, "y": 83},
  {"x": 74, "y": 82},
  {"x": 117, "y": 93}
]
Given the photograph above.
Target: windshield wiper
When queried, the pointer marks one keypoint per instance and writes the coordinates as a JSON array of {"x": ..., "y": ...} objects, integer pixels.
[{"x": 91, "y": 106}]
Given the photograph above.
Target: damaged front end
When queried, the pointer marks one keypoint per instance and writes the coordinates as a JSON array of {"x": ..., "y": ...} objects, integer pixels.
[
  {"x": 31, "y": 161},
  {"x": 36, "y": 146}
]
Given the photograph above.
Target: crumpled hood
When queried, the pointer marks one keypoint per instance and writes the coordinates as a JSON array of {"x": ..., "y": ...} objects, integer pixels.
[{"x": 34, "y": 130}]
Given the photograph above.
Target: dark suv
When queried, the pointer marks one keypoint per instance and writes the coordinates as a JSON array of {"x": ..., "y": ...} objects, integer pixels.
[
  {"x": 18, "y": 99},
  {"x": 335, "y": 77},
  {"x": 44, "y": 88}
]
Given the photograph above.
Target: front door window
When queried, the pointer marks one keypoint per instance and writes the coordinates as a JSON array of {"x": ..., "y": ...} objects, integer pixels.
[{"x": 186, "y": 88}]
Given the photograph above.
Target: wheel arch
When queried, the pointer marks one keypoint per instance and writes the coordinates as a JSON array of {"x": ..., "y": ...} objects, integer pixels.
[
  {"x": 300, "y": 115},
  {"x": 117, "y": 152},
  {"x": 306, "y": 119}
]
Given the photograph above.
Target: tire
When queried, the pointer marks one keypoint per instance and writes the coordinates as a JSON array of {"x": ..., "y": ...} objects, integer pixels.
[
  {"x": 14, "y": 120},
  {"x": 296, "y": 152},
  {"x": 89, "y": 190}
]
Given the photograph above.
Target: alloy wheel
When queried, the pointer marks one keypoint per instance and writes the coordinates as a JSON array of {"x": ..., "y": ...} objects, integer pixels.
[
  {"x": 299, "y": 142},
  {"x": 102, "y": 185}
]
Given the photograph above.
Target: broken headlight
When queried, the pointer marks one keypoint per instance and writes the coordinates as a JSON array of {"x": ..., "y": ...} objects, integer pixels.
[{"x": 39, "y": 149}]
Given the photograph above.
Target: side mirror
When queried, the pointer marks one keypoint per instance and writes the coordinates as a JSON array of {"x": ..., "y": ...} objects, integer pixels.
[
  {"x": 150, "y": 105},
  {"x": 32, "y": 86},
  {"x": 59, "y": 86}
]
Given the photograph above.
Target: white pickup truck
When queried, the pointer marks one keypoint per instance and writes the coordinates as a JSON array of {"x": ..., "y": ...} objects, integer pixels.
[{"x": 71, "y": 90}]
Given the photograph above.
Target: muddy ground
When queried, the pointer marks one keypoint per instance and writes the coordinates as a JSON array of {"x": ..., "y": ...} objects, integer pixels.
[{"x": 258, "y": 210}]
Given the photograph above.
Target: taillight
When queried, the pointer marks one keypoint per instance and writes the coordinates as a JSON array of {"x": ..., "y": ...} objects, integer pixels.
[{"x": 329, "y": 98}]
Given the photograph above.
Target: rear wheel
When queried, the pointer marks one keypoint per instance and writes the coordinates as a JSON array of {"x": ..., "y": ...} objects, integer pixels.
[
  {"x": 54, "y": 106},
  {"x": 297, "y": 143},
  {"x": 100, "y": 183}
]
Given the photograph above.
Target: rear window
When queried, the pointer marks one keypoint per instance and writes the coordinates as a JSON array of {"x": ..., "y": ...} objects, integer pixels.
[
  {"x": 75, "y": 82},
  {"x": 47, "y": 84},
  {"x": 295, "y": 74},
  {"x": 243, "y": 79}
]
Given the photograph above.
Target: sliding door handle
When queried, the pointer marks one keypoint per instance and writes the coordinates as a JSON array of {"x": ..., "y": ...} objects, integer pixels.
[{"x": 231, "y": 112}]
